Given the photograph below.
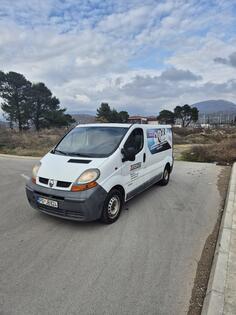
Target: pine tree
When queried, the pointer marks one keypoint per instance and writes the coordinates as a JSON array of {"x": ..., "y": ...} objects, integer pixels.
[{"x": 14, "y": 88}]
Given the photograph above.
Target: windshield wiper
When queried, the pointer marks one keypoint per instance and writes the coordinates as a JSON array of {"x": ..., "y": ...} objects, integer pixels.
[
  {"x": 59, "y": 151},
  {"x": 73, "y": 153}
]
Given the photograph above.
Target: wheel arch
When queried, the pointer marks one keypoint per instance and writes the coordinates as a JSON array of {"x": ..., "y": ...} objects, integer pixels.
[
  {"x": 168, "y": 166},
  {"x": 121, "y": 189}
]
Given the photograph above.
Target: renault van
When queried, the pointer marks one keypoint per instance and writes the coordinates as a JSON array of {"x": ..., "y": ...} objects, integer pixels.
[{"x": 96, "y": 168}]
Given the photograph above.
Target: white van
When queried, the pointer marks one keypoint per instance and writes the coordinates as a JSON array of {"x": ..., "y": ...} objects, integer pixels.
[{"x": 96, "y": 168}]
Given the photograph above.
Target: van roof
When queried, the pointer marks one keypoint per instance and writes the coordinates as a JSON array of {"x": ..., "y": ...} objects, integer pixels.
[
  {"x": 123, "y": 125},
  {"x": 104, "y": 125}
]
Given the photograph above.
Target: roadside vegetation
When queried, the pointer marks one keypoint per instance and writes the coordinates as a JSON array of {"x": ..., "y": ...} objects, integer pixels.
[
  {"x": 221, "y": 153},
  {"x": 197, "y": 145},
  {"x": 206, "y": 145},
  {"x": 29, "y": 143}
]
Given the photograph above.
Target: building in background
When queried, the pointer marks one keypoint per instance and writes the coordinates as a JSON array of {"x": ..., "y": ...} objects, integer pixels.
[
  {"x": 138, "y": 120},
  {"x": 152, "y": 120}
]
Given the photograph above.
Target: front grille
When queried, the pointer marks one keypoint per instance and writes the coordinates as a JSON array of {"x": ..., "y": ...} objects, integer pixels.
[
  {"x": 43, "y": 180},
  {"x": 63, "y": 184},
  {"x": 60, "y": 183},
  {"x": 61, "y": 212},
  {"x": 74, "y": 214},
  {"x": 51, "y": 210}
]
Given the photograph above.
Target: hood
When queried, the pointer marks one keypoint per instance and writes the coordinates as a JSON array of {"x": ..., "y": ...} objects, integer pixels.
[{"x": 66, "y": 168}]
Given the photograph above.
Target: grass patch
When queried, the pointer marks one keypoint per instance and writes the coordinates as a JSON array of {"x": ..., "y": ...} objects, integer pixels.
[
  {"x": 223, "y": 152},
  {"x": 29, "y": 142},
  {"x": 202, "y": 136}
]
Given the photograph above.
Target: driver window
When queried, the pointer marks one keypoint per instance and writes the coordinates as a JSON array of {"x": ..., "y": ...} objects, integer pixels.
[{"x": 135, "y": 140}]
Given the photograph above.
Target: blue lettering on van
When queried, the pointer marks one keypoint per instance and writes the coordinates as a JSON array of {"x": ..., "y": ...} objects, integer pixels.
[{"x": 159, "y": 139}]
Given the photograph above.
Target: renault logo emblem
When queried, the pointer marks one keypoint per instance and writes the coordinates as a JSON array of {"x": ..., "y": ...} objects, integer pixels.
[{"x": 51, "y": 182}]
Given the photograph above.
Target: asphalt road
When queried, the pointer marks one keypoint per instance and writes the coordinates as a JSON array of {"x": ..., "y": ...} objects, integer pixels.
[{"x": 145, "y": 263}]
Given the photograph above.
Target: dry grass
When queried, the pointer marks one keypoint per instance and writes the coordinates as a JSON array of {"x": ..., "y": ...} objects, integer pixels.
[
  {"x": 209, "y": 145},
  {"x": 223, "y": 152},
  {"x": 29, "y": 142},
  {"x": 203, "y": 136},
  {"x": 206, "y": 145}
]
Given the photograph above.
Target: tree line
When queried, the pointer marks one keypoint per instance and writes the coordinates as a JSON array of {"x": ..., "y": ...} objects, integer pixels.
[
  {"x": 185, "y": 114},
  {"x": 107, "y": 114},
  {"x": 26, "y": 104}
]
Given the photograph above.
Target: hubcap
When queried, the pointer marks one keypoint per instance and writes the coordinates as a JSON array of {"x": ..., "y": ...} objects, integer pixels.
[
  {"x": 166, "y": 174},
  {"x": 113, "y": 207}
]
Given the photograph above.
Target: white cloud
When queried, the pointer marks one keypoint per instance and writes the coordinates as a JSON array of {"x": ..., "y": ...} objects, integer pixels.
[
  {"x": 82, "y": 98},
  {"x": 93, "y": 52}
]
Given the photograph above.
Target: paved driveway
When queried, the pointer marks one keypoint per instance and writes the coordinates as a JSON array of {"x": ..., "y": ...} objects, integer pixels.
[{"x": 145, "y": 263}]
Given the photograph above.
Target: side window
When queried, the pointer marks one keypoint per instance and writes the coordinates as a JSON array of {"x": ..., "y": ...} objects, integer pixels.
[{"x": 135, "y": 140}]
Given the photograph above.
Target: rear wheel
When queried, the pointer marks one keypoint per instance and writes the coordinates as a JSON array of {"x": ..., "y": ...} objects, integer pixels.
[
  {"x": 166, "y": 177},
  {"x": 112, "y": 206}
]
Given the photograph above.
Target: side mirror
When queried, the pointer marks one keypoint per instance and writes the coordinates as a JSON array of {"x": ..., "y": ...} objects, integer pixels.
[{"x": 129, "y": 154}]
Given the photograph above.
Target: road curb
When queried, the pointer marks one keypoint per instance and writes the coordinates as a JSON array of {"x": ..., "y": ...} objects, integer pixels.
[
  {"x": 20, "y": 156},
  {"x": 215, "y": 296}
]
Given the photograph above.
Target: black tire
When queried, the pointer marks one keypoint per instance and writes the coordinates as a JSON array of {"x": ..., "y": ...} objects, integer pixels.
[
  {"x": 110, "y": 213},
  {"x": 166, "y": 177}
]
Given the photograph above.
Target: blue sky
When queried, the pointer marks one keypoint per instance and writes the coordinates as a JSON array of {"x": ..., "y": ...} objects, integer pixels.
[{"x": 140, "y": 56}]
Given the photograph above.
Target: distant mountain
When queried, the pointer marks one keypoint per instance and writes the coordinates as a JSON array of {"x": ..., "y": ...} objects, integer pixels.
[
  {"x": 215, "y": 106},
  {"x": 83, "y": 118}
]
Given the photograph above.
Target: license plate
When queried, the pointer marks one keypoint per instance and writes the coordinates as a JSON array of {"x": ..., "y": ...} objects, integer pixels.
[{"x": 47, "y": 202}]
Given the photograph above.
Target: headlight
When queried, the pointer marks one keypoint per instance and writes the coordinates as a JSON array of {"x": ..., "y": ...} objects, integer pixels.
[
  {"x": 86, "y": 180},
  {"x": 35, "y": 171},
  {"x": 88, "y": 176}
]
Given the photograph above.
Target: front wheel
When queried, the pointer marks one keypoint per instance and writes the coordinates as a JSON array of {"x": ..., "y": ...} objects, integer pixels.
[
  {"x": 112, "y": 206},
  {"x": 166, "y": 177}
]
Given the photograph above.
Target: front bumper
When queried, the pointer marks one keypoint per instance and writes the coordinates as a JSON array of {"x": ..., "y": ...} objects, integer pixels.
[{"x": 81, "y": 206}]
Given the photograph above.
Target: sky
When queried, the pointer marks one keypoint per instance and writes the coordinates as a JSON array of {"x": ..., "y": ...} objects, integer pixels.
[{"x": 138, "y": 55}]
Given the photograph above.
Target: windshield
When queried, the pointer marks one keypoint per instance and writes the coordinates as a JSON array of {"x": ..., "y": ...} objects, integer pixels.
[{"x": 91, "y": 141}]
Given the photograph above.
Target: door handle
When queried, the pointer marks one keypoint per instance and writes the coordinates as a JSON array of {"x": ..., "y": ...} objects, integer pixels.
[{"x": 144, "y": 157}]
